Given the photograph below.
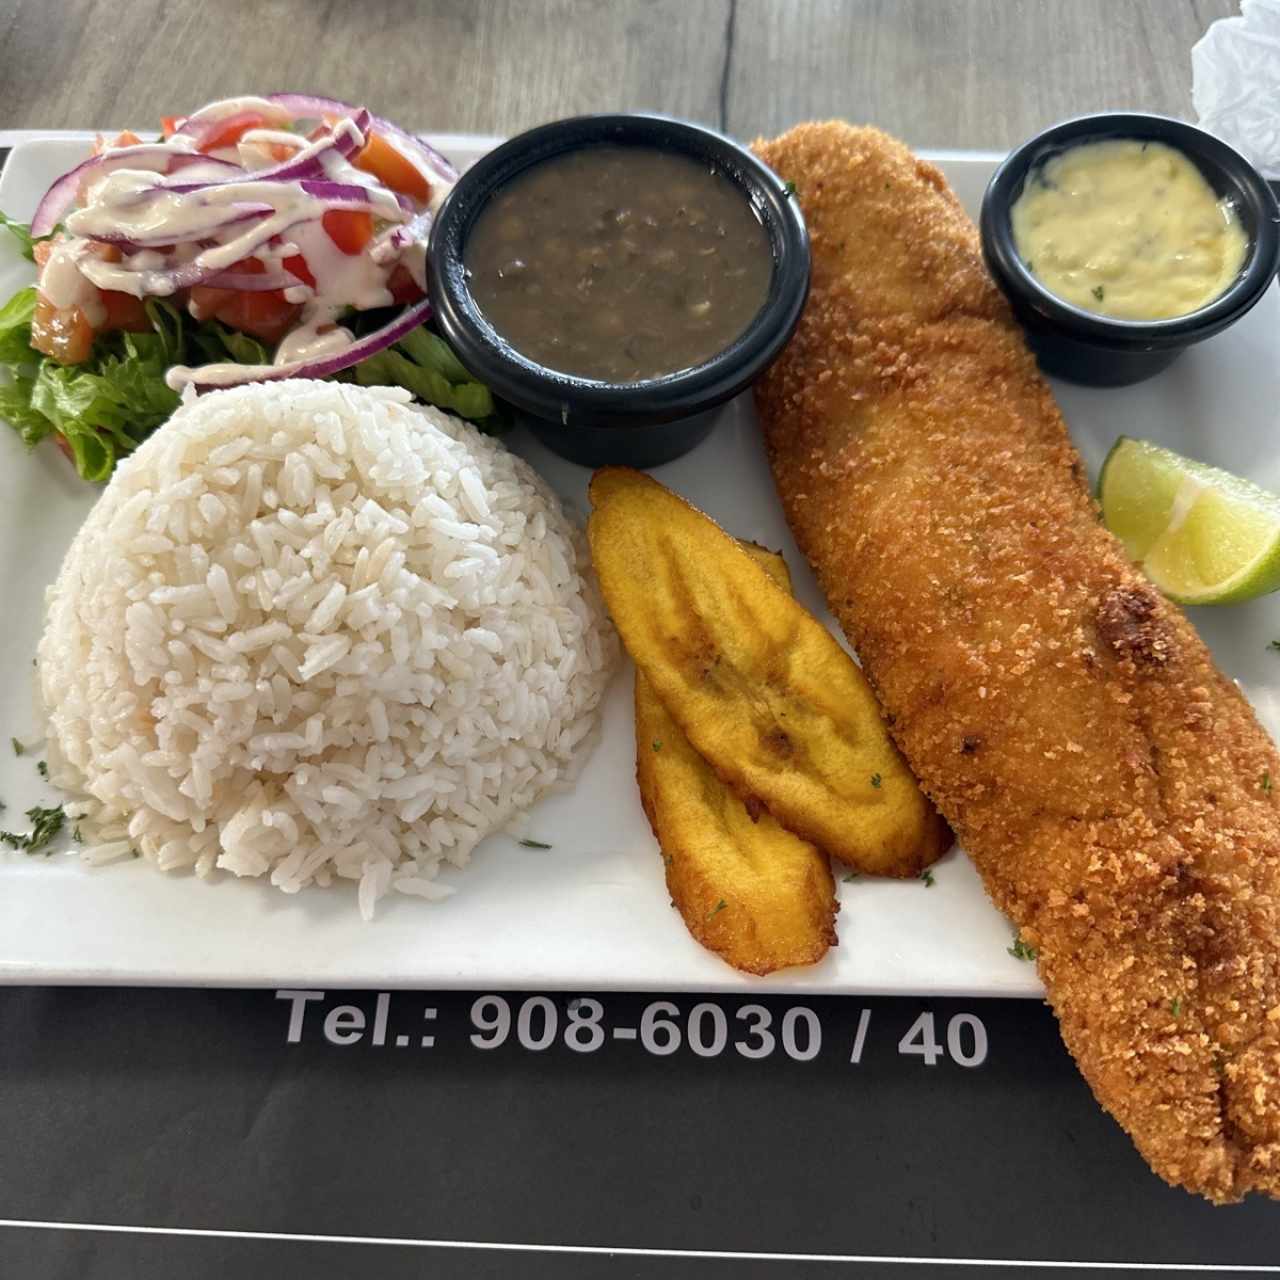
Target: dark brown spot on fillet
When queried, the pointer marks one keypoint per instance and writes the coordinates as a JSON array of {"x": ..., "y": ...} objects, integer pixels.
[{"x": 1131, "y": 626}]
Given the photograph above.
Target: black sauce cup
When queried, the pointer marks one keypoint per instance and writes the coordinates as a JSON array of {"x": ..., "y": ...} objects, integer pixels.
[
  {"x": 1082, "y": 346},
  {"x": 639, "y": 424}
]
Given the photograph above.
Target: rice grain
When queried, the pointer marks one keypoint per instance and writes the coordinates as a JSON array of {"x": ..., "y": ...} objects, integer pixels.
[{"x": 315, "y": 633}]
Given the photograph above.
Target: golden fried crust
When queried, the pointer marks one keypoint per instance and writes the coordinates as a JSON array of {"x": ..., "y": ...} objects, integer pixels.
[
  {"x": 746, "y": 888},
  {"x": 1112, "y": 786},
  {"x": 766, "y": 696}
]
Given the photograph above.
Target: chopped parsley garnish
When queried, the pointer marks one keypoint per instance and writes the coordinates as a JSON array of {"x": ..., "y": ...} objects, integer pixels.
[
  {"x": 875, "y": 780},
  {"x": 927, "y": 876},
  {"x": 667, "y": 859},
  {"x": 1175, "y": 1006},
  {"x": 717, "y": 909},
  {"x": 75, "y": 834},
  {"x": 1266, "y": 782},
  {"x": 1020, "y": 950},
  {"x": 45, "y": 824},
  {"x": 1274, "y": 644},
  {"x": 534, "y": 844},
  {"x": 18, "y": 748},
  {"x": 657, "y": 744},
  {"x": 42, "y": 769},
  {"x": 788, "y": 188},
  {"x": 851, "y": 877},
  {"x": 1098, "y": 292}
]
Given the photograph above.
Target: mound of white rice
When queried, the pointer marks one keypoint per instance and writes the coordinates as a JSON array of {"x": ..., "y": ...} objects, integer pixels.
[{"x": 312, "y": 631}]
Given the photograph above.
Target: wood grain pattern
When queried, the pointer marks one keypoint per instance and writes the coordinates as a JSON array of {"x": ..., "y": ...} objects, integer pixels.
[
  {"x": 978, "y": 73},
  {"x": 495, "y": 66},
  {"x": 963, "y": 73}
]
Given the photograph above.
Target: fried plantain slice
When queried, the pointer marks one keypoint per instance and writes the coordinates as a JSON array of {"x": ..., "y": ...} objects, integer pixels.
[
  {"x": 760, "y": 687},
  {"x": 759, "y": 897}
]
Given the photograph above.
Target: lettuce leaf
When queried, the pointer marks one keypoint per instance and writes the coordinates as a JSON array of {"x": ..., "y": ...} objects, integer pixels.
[
  {"x": 16, "y": 410},
  {"x": 21, "y": 231},
  {"x": 103, "y": 408},
  {"x": 106, "y": 407},
  {"x": 15, "y": 330}
]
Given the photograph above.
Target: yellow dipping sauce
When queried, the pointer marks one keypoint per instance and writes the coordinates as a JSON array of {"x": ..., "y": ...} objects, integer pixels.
[{"x": 1128, "y": 229}]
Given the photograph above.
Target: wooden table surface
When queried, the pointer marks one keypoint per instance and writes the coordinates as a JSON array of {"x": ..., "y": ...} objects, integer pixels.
[{"x": 945, "y": 73}]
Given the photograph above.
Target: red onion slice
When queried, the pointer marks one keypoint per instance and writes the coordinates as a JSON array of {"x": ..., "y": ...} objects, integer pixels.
[
  {"x": 395, "y": 240},
  {"x": 229, "y": 216},
  {"x": 188, "y": 159},
  {"x": 350, "y": 195},
  {"x": 445, "y": 165},
  {"x": 433, "y": 164},
  {"x": 203, "y": 130},
  {"x": 151, "y": 156},
  {"x": 305, "y": 164},
  {"x": 200, "y": 123},
  {"x": 410, "y": 318},
  {"x": 163, "y": 282},
  {"x": 263, "y": 283}
]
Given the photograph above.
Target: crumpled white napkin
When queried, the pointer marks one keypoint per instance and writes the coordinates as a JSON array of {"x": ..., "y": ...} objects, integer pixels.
[{"x": 1235, "y": 82}]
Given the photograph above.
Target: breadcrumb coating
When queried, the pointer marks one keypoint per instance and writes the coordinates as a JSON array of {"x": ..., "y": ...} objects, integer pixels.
[{"x": 1112, "y": 786}]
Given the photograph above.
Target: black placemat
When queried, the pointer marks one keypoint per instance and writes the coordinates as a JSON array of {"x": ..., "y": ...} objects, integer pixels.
[{"x": 191, "y": 1111}]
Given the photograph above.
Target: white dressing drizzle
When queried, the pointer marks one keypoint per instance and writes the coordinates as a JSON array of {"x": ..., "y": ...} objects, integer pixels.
[
  {"x": 136, "y": 205},
  {"x": 63, "y": 283},
  {"x": 225, "y": 108}
]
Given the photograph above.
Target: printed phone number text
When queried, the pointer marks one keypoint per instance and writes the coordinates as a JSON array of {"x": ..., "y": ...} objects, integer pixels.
[{"x": 581, "y": 1024}]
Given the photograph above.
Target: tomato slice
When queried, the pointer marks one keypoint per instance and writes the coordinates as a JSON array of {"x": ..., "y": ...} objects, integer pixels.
[
  {"x": 265, "y": 315},
  {"x": 124, "y": 311},
  {"x": 62, "y": 333},
  {"x": 206, "y": 302},
  {"x": 229, "y": 131},
  {"x": 297, "y": 265},
  {"x": 404, "y": 288},
  {"x": 126, "y": 139},
  {"x": 380, "y": 158},
  {"x": 349, "y": 229}
]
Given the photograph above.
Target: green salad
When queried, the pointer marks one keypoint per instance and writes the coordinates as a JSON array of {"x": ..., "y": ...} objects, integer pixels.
[
  {"x": 101, "y": 410},
  {"x": 154, "y": 277}
]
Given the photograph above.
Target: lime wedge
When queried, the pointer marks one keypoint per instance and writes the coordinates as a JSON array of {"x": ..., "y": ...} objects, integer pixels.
[{"x": 1203, "y": 535}]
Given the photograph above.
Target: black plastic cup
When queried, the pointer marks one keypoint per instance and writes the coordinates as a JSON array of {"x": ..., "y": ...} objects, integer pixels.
[
  {"x": 638, "y": 424},
  {"x": 1082, "y": 346}
]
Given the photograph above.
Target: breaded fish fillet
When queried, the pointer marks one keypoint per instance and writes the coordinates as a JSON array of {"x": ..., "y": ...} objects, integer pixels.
[{"x": 1112, "y": 786}]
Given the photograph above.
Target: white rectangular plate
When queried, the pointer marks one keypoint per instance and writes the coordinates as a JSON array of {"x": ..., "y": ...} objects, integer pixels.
[{"x": 591, "y": 912}]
